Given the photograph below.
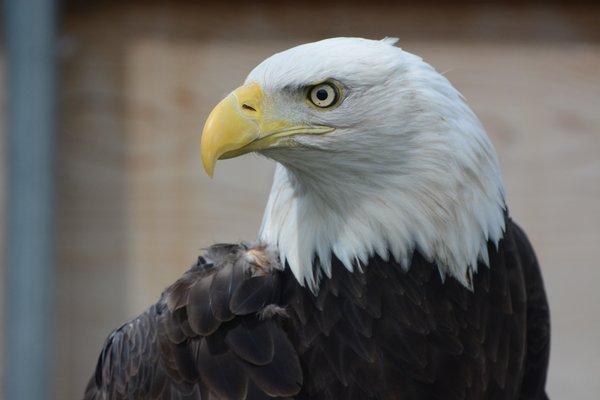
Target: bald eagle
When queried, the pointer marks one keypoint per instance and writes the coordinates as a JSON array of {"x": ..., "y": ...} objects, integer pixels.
[{"x": 386, "y": 267}]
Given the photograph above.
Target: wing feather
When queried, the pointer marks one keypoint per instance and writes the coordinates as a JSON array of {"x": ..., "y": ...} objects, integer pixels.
[
  {"x": 252, "y": 342},
  {"x": 207, "y": 338}
]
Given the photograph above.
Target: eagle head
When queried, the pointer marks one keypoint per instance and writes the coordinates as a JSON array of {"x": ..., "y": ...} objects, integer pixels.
[{"x": 378, "y": 155}]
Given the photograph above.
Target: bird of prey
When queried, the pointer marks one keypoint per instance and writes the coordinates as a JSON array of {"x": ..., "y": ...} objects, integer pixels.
[{"x": 387, "y": 265}]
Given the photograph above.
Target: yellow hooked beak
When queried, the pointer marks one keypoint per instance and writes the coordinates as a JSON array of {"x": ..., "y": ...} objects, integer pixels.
[{"x": 243, "y": 122}]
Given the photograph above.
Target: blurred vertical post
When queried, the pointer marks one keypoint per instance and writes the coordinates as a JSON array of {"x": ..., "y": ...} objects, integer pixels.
[{"x": 30, "y": 43}]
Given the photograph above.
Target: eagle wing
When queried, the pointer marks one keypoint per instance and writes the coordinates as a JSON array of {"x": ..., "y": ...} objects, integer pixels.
[{"x": 215, "y": 333}]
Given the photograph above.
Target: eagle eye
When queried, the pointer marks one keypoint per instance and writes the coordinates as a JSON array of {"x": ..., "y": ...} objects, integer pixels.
[{"x": 324, "y": 95}]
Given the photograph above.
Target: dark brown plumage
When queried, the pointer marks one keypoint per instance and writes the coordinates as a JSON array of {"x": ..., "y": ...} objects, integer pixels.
[{"x": 234, "y": 327}]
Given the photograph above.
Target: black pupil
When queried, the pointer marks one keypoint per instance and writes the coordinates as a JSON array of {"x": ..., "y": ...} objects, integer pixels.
[{"x": 322, "y": 94}]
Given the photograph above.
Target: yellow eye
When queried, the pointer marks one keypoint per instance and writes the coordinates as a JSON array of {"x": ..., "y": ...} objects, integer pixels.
[{"x": 323, "y": 95}]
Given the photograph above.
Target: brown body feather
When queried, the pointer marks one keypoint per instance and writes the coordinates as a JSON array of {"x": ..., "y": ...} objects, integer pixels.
[{"x": 235, "y": 327}]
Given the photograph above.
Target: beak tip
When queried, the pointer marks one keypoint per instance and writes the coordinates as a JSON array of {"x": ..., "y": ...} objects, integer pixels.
[
  {"x": 209, "y": 168},
  {"x": 208, "y": 161},
  {"x": 208, "y": 156}
]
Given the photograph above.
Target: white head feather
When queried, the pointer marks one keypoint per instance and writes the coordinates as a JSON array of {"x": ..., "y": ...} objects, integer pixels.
[{"x": 408, "y": 167}]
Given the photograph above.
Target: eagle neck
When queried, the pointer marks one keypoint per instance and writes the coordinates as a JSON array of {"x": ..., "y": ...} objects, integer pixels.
[{"x": 309, "y": 220}]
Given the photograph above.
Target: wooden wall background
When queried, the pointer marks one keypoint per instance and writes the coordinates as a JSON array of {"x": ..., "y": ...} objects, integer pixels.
[{"x": 135, "y": 207}]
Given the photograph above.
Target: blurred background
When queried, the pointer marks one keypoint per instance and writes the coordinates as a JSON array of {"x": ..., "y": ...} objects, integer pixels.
[{"x": 133, "y": 208}]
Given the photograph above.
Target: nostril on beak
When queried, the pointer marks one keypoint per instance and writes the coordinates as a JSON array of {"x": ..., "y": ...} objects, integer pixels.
[{"x": 248, "y": 108}]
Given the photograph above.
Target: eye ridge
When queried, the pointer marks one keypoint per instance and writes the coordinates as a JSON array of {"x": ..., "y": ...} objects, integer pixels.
[{"x": 324, "y": 95}]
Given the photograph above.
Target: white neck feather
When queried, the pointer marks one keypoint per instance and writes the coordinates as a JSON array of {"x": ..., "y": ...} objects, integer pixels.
[{"x": 444, "y": 228}]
